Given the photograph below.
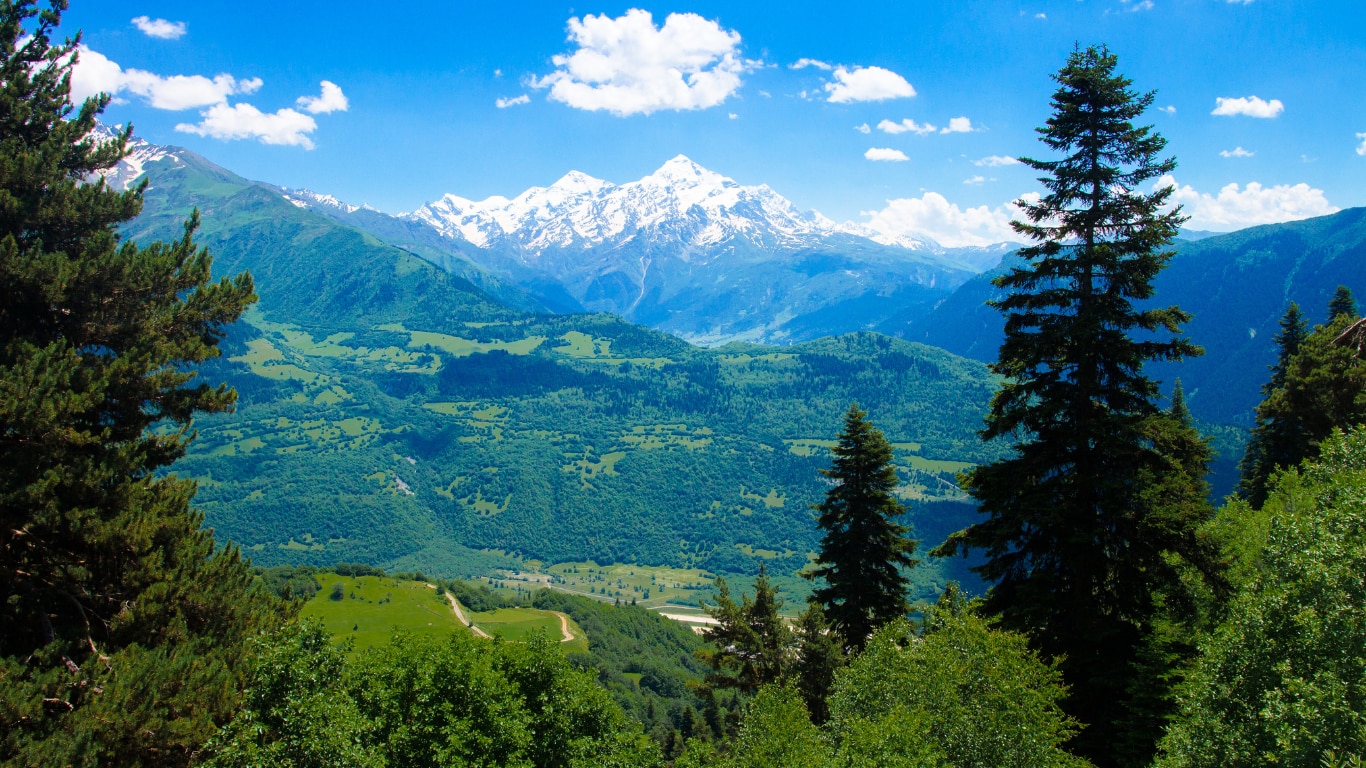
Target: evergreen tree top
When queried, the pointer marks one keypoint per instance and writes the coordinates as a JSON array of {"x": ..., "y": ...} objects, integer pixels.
[{"x": 1344, "y": 304}]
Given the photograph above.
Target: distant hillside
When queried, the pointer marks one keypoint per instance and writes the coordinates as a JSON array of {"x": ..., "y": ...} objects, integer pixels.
[
  {"x": 1236, "y": 285},
  {"x": 685, "y": 250},
  {"x": 395, "y": 414}
]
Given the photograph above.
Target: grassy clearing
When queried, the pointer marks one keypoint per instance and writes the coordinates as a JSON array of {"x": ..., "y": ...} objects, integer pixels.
[
  {"x": 651, "y": 586},
  {"x": 589, "y": 469},
  {"x": 747, "y": 359},
  {"x": 772, "y": 500},
  {"x": 581, "y": 345},
  {"x": 458, "y": 347},
  {"x": 372, "y": 607},
  {"x": 388, "y": 358}
]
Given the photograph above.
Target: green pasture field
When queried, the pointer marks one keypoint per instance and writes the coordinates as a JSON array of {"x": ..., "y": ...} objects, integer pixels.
[
  {"x": 618, "y": 582},
  {"x": 372, "y": 607},
  {"x": 520, "y": 625}
]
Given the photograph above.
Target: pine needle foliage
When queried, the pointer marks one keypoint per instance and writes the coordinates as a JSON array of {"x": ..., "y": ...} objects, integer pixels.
[
  {"x": 865, "y": 554},
  {"x": 1075, "y": 549},
  {"x": 123, "y": 626}
]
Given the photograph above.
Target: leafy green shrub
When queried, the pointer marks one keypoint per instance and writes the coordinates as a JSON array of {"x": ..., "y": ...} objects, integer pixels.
[{"x": 1282, "y": 680}]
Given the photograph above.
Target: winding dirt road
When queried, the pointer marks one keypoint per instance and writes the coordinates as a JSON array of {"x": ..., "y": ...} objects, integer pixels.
[
  {"x": 460, "y": 615},
  {"x": 564, "y": 627}
]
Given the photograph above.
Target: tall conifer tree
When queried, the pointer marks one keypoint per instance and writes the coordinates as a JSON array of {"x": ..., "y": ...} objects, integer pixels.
[
  {"x": 1319, "y": 383},
  {"x": 1276, "y": 438},
  {"x": 122, "y": 627},
  {"x": 865, "y": 554},
  {"x": 1074, "y": 551}
]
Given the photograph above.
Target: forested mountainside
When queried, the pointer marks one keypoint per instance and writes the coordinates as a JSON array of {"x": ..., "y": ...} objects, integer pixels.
[
  {"x": 393, "y": 413},
  {"x": 1236, "y": 285}
]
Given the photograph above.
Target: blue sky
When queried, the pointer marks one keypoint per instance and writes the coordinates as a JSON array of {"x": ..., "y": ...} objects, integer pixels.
[{"x": 412, "y": 107}]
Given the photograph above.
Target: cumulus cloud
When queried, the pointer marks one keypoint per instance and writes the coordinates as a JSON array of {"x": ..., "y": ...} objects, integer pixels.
[
  {"x": 243, "y": 121},
  {"x": 867, "y": 84},
  {"x": 1237, "y": 207},
  {"x": 628, "y": 66},
  {"x": 95, "y": 73},
  {"x": 512, "y": 102},
  {"x": 958, "y": 125},
  {"x": 804, "y": 63},
  {"x": 995, "y": 161},
  {"x": 933, "y": 215},
  {"x": 1251, "y": 106},
  {"x": 905, "y": 126},
  {"x": 1236, "y": 152},
  {"x": 733, "y": 116},
  {"x": 1361, "y": 150},
  {"x": 160, "y": 28},
  {"x": 863, "y": 128},
  {"x": 1169, "y": 109},
  {"x": 975, "y": 180},
  {"x": 883, "y": 154},
  {"x": 331, "y": 100}
]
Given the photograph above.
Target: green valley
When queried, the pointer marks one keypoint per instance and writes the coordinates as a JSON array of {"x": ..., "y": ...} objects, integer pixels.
[{"x": 392, "y": 413}]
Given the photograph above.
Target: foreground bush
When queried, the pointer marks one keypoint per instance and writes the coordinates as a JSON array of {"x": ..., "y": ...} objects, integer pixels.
[
  {"x": 1282, "y": 681},
  {"x": 424, "y": 702}
]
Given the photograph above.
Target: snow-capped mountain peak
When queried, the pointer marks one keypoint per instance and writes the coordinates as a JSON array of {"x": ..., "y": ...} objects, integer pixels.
[
  {"x": 683, "y": 172},
  {"x": 134, "y": 165},
  {"x": 681, "y": 202}
]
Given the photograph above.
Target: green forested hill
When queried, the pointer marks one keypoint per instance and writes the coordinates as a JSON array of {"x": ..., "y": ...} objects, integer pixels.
[
  {"x": 1236, "y": 285},
  {"x": 394, "y": 414}
]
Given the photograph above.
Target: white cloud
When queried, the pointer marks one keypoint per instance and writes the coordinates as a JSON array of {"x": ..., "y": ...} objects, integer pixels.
[
  {"x": 1041, "y": 16},
  {"x": 1140, "y": 5},
  {"x": 1235, "y": 207},
  {"x": 975, "y": 180},
  {"x": 512, "y": 102},
  {"x": 1169, "y": 109},
  {"x": 1240, "y": 2},
  {"x": 1236, "y": 152},
  {"x": 905, "y": 126},
  {"x": 864, "y": 129},
  {"x": 96, "y": 73},
  {"x": 804, "y": 63},
  {"x": 1250, "y": 106},
  {"x": 243, "y": 121},
  {"x": 995, "y": 161},
  {"x": 933, "y": 215},
  {"x": 160, "y": 28},
  {"x": 867, "y": 84},
  {"x": 628, "y": 66},
  {"x": 883, "y": 154},
  {"x": 958, "y": 125},
  {"x": 1361, "y": 150},
  {"x": 733, "y": 116},
  {"x": 331, "y": 100}
]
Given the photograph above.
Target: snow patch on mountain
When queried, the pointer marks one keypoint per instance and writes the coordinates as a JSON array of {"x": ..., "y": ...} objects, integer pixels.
[
  {"x": 680, "y": 202},
  {"x": 307, "y": 198},
  {"x": 133, "y": 166}
]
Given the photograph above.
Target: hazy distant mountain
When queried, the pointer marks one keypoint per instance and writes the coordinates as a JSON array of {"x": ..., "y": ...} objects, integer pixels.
[
  {"x": 685, "y": 250},
  {"x": 1237, "y": 286}
]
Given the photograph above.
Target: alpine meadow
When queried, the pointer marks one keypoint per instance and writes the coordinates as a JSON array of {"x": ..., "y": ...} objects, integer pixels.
[{"x": 1058, "y": 465}]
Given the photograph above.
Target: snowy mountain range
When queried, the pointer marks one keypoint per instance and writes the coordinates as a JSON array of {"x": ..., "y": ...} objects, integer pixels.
[{"x": 683, "y": 249}]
